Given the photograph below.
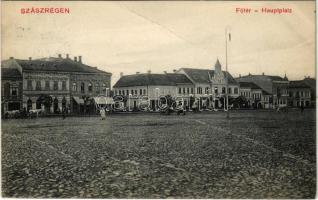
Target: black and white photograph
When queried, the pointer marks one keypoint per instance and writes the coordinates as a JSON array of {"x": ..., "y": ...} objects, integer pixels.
[{"x": 158, "y": 99}]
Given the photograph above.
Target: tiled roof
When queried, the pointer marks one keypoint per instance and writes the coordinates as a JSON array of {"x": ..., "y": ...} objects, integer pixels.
[
  {"x": 152, "y": 79},
  {"x": 298, "y": 84},
  {"x": 273, "y": 78},
  {"x": 143, "y": 80},
  {"x": 10, "y": 73},
  {"x": 249, "y": 85},
  {"x": 57, "y": 64},
  {"x": 179, "y": 78},
  {"x": 203, "y": 75}
]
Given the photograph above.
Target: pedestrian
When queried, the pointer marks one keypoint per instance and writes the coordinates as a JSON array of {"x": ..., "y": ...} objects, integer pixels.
[
  {"x": 64, "y": 113},
  {"x": 102, "y": 113}
]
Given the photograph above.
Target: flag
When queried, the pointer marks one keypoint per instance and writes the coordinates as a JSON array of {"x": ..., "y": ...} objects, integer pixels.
[{"x": 229, "y": 36}]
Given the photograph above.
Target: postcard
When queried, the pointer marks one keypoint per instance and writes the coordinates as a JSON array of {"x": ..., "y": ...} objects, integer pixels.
[{"x": 158, "y": 99}]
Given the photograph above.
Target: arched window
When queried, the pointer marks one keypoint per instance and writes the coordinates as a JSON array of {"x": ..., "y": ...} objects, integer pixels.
[
  {"x": 29, "y": 104},
  {"x": 90, "y": 87},
  {"x": 74, "y": 86},
  {"x": 216, "y": 90},
  {"x": 38, "y": 85}
]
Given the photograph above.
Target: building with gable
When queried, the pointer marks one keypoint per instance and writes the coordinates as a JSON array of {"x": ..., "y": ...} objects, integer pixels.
[
  {"x": 54, "y": 83},
  {"x": 207, "y": 87},
  {"x": 210, "y": 85}
]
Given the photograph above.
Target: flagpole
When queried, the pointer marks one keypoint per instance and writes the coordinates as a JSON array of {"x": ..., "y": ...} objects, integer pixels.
[{"x": 227, "y": 78}]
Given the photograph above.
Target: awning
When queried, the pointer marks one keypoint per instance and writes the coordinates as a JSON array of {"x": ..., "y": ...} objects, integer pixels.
[
  {"x": 104, "y": 100},
  {"x": 78, "y": 100}
]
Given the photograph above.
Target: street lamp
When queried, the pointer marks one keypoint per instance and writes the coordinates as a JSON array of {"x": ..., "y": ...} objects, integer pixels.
[{"x": 227, "y": 34}]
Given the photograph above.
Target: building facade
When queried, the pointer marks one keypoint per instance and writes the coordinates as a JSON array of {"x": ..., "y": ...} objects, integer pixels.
[
  {"x": 210, "y": 85},
  {"x": 11, "y": 90},
  {"x": 274, "y": 86},
  {"x": 203, "y": 87},
  {"x": 53, "y": 84},
  {"x": 299, "y": 94}
]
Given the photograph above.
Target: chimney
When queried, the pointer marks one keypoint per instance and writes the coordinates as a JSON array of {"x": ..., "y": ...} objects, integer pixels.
[
  {"x": 60, "y": 56},
  {"x": 11, "y": 58},
  {"x": 137, "y": 72},
  {"x": 249, "y": 74},
  {"x": 121, "y": 74},
  {"x": 30, "y": 58},
  {"x": 67, "y": 56},
  {"x": 149, "y": 71},
  {"x": 240, "y": 75},
  {"x": 263, "y": 73},
  {"x": 75, "y": 58},
  {"x": 174, "y": 70},
  {"x": 80, "y": 59},
  {"x": 165, "y": 72}
]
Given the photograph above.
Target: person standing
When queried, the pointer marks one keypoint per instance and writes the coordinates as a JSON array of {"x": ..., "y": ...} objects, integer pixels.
[{"x": 102, "y": 113}]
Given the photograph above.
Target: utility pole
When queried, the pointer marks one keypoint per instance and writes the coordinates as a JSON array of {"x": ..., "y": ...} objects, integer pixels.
[{"x": 227, "y": 78}]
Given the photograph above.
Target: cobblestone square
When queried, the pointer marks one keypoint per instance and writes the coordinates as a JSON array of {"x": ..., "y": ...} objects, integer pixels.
[{"x": 254, "y": 154}]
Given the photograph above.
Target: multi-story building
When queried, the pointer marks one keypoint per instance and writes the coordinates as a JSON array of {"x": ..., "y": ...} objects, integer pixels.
[
  {"x": 204, "y": 86},
  {"x": 299, "y": 93},
  {"x": 11, "y": 89},
  {"x": 150, "y": 87},
  {"x": 253, "y": 94},
  {"x": 210, "y": 85},
  {"x": 273, "y": 85},
  {"x": 311, "y": 82},
  {"x": 52, "y": 84}
]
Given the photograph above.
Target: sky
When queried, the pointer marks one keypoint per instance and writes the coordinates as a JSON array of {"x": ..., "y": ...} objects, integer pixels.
[{"x": 132, "y": 37}]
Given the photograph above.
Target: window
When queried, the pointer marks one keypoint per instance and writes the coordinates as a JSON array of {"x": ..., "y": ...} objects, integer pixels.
[
  {"x": 14, "y": 91},
  {"x": 132, "y": 92},
  {"x": 188, "y": 90},
  {"x": 90, "y": 87},
  {"x": 38, "y": 85},
  {"x": 136, "y": 92},
  {"x": 192, "y": 91},
  {"x": 123, "y": 91},
  {"x": 236, "y": 90},
  {"x": 74, "y": 86},
  {"x": 82, "y": 87},
  {"x": 127, "y": 92},
  {"x": 47, "y": 85},
  {"x": 119, "y": 92},
  {"x": 55, "y": 85},
  {"x": 29, "y": 85},
  {"x": 223, "y": 90},
  {"x": 140, "y": 91},
  {"x": 144, "y": 91},
  {"x": 63, "y": 85},
  {"x": 206, "y": 90},
  {"x": 104, "y": 88},
  {"x": 216, "y": 90},
  {"x": 97, "y": 88},
  {"x": 179, "y": 90},
  {"x": 230, "y": 91},
  {"x": 184, "y": 90},
  {"x": 199, "y": 90}
]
